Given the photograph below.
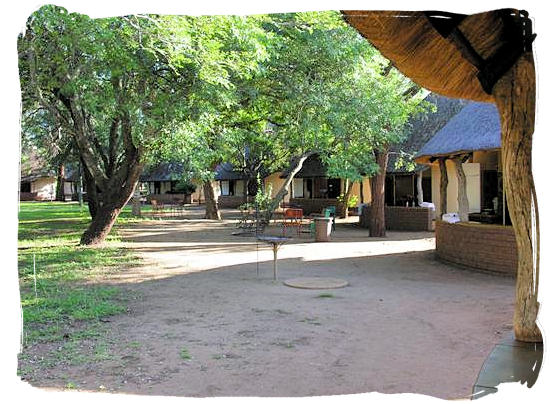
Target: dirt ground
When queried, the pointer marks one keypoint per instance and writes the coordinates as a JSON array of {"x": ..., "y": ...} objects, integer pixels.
[{"x": 202, "y": 323}]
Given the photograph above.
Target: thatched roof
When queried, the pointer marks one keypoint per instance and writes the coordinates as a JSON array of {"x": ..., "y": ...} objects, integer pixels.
[
  {"x": 225, "y": 171},
  {"x": 423, "y": 127},
  {"x": 312, "y": 167},
  {"x": 455, "y": 55},
  {"x": 476, "y": 127},
  {"x": 163, "y": 172}
]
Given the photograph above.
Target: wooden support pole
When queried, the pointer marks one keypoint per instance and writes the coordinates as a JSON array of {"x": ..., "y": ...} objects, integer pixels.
[
  {"x": 419, "y": 191},
  {"x": 463, "y": 206},
  {"x": 515, "y": 98},
  {"x": 443, "y": 182}
]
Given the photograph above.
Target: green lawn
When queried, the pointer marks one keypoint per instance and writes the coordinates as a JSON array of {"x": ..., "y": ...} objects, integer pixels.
[{"x": 67, "y": 301}]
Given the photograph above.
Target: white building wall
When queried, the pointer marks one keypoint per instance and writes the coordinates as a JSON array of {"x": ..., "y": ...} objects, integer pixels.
[
  {"x": 473, "y": 187},
  {"x": 239, "y": 188},
  {"x": 44, "y": 188}
]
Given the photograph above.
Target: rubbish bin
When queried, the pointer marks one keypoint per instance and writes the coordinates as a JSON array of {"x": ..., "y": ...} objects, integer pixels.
[{"x": 322, "y": 228}]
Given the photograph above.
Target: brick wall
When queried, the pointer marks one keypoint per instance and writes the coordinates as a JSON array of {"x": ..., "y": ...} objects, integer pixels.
[
  {"x": 230, "y": 201},
  {"x": 402, "y": 218},
  {"x": 482, "y": 246},
  {"x": 310, "y": 206},
  {"x": 169, "y": 198}
]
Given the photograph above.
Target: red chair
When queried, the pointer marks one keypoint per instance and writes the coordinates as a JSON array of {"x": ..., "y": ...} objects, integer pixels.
[{"x": 293, "y": 217}]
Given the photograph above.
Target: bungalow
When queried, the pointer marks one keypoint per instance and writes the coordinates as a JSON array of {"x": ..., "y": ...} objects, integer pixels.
[
  {"x": 38, "y": 184},
  {"x": 159, "y": 182},
  {"x": 474, "y": 135},
  {"x": 230, "y": 186},
  {"x": 312, "y": 190}
]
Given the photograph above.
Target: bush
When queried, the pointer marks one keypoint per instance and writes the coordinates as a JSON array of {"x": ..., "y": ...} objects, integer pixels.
[
  {"x": 352, "y": 203},
  {"x": 185, "y": 187}
]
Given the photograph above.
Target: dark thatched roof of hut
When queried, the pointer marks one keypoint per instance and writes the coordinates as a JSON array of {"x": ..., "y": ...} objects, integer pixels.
[
  {"x": 163, "y": 172},
  {"x": 225, "y": 171},
  {"x": 423, "y": 127},
  {"x": 476, "y": 127},
  {"x": 312, "y": 167}
]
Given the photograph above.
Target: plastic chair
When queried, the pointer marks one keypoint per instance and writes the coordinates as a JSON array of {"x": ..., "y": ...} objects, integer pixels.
[{"x": 293, "y": 218}]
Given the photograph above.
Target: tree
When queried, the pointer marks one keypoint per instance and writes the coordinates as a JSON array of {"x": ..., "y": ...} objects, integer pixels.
[
  {"x": 384, "y": 100},
  {"x": 120, "y": 86}
]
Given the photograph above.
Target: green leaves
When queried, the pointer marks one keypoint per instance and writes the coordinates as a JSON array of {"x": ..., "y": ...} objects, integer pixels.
[{"x": 251, "y": 90}]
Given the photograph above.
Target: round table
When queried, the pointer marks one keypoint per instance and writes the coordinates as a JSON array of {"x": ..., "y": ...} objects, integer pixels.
[{"x": 275, "y": 242}]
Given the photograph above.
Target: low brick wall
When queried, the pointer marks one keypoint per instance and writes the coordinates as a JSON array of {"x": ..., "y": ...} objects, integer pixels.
[
  {"x": 310, "y": 206},
  {"x": 482, "y": 246},
  {"x": 230, "y": 201},
  {"x": 28, "y": 196},
  {"x": 169, "y": 198},
  {"x": 402, "y": 218},
  {"x": 33, "y": 196}
]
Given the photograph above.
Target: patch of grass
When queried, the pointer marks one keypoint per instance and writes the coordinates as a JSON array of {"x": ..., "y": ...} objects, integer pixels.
[
  {"x": 70, "y": 386},
  {"x": 134, "y": 345},
  {"x": 185, "y": 355},
  {"x": 325, "y": 295},
  {"x": 49, "y": 234}
]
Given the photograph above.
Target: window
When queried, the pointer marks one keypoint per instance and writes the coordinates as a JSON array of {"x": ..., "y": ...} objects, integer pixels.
[
  {"x": 25, "y": 187},
  {"x": 224, "y": 186},
  {"x": 298, "y": 187}
]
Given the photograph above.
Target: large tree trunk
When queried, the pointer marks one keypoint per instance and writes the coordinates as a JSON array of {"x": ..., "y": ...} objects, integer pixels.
[
  {"x": 419, "y": 190},
  {"x": 211, "y": 202},
  {"x": 111, "y": 203},
  {"x": 92, "y": 195},
  {"x": 515, "y": 98},
  {"x": 101, "y": 225},
  {"x": 463, "y": 206},
  {"x": 278, "y": 198},
  {"x": 136, "y": 202},
  {"x": 377, "y": 223},
  {"x": 443, "y": 183},
  {"x": 60, "y": 184}
]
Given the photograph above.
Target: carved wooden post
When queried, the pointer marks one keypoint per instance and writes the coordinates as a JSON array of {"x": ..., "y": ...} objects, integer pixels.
[
  {"x": 420, "y": 192},
  {"x": 443, "y": 182},
  {"x": 515, "y": 98},
  {"x": 463, "y": 206}
]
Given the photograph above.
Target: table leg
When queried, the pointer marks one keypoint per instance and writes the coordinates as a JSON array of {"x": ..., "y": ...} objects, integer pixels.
[{"x": 275, "y": 261}]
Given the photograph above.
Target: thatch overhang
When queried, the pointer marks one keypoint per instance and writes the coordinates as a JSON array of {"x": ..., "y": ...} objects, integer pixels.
[{"x": 456, "y": 55}]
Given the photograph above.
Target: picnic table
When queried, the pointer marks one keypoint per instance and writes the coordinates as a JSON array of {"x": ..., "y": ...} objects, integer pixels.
[{"x": 275, "y": 242}]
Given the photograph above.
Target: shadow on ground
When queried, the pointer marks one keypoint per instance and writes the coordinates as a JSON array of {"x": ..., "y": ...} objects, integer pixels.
[{"x": 203, "y": 323}]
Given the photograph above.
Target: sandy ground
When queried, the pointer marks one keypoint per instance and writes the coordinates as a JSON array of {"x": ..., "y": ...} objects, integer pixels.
[{"x": 405, "y": 324}]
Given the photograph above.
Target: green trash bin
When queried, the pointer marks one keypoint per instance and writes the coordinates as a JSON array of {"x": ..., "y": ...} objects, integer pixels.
[{"x": 330, "y": 211}]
